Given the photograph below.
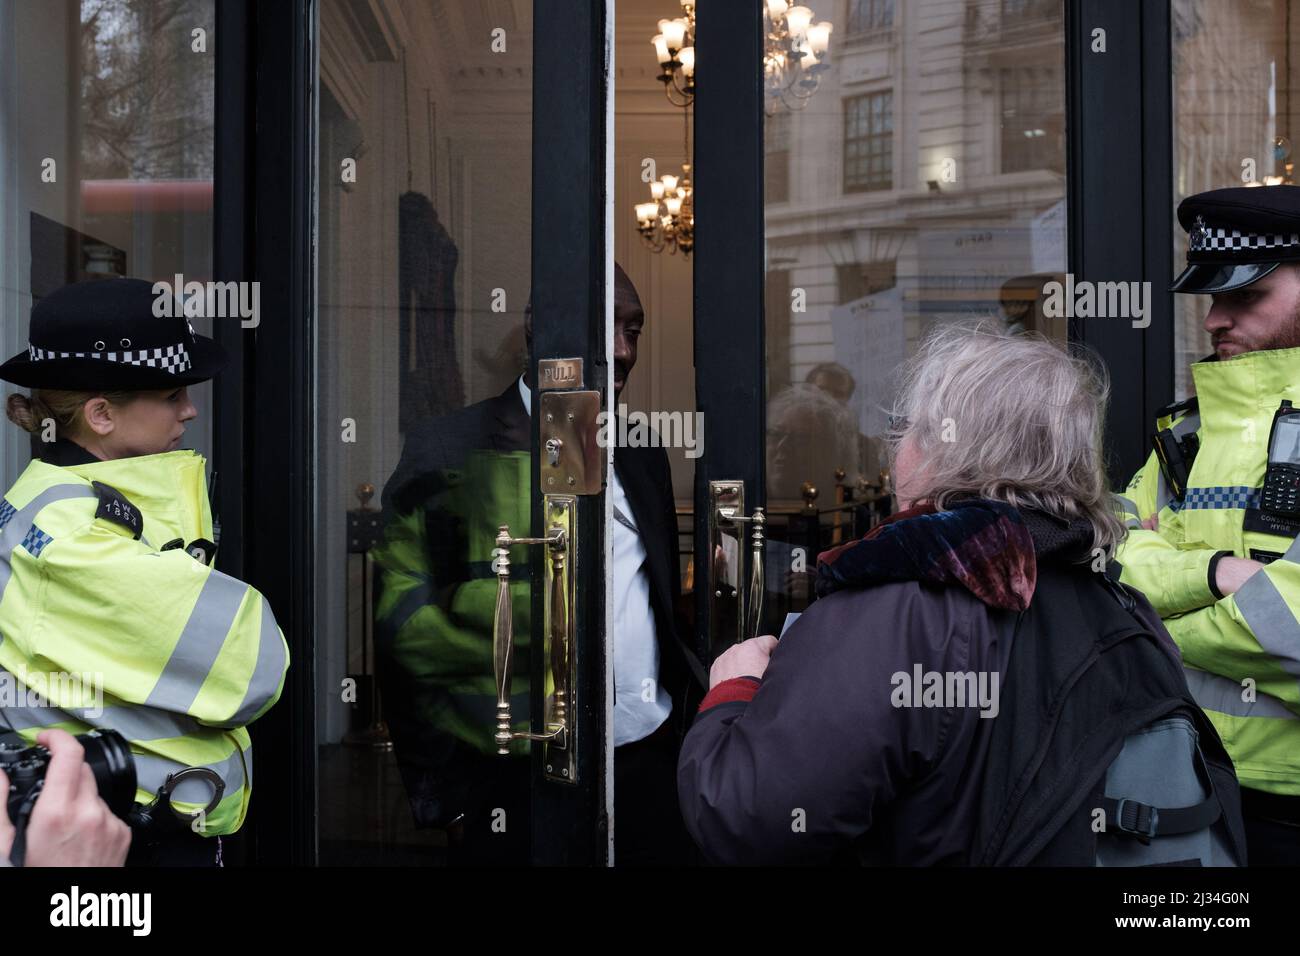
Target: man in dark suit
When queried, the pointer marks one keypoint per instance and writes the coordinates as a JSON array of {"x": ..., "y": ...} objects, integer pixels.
[{"x": 460, "y": 476}]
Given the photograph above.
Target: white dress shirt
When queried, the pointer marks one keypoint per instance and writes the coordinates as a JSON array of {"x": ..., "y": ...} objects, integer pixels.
[{"x": 640, "y": 704}]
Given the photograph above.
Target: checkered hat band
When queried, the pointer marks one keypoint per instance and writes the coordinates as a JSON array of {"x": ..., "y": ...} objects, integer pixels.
[
  {"x": 1234, "y": 240},
  {"x": 170, "y": 358}
]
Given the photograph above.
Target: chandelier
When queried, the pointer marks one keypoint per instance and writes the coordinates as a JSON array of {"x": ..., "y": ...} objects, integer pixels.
[
  {"x": 796, "y": 54},
  {"x": 667, "y": 221},
  {"x": 675, "y": 49}
]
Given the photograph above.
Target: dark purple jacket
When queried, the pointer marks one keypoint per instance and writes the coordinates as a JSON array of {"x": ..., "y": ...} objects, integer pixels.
[{"x": 826, "y": 754}]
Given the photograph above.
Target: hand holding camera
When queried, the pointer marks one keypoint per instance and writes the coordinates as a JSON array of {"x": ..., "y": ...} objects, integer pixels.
[{"x": 72, "y": 797}]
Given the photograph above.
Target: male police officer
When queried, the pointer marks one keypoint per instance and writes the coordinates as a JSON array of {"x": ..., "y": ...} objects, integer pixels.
[{"x": 1215, "y": 512}]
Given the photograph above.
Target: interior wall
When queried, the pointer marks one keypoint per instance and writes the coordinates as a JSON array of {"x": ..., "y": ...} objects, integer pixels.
[
  {"x": 646, "y": 125},
  {"x": 455, "y": 125}
]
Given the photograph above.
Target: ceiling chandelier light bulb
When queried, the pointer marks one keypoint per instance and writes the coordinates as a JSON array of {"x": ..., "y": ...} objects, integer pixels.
[
  {"x": 674, "y": 33},
  {"x": 661, "y": 49},
  {"x": 657, "y": 190},
  {"x": 797, "y": 20},
  {"x": 796, "y": 54},
  {"x": 819, "y": 37},
  {"x": 670, "y": 184},
  {"x": 687, "y": 56}
]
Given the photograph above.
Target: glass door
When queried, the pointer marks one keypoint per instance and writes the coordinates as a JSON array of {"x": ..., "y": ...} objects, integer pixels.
[
  {"x": 462, "y": 358},
  {"x": 106, "y": 152},
  {"x": 867, "y": 171}
]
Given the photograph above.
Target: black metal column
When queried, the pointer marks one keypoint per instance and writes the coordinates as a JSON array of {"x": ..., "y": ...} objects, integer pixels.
[
  {"x": 278, "y": 417},
  {"x": 1120, "y": 187},
  {"x": 571, "y": 263},
  {"x": 729, "y": 268}
]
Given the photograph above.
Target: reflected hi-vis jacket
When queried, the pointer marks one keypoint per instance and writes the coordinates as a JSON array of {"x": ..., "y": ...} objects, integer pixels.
[
  {"x": 1251, "y": 635},
  {"x": 186, "y": 657},
  {"x": 437, "y": 604}
]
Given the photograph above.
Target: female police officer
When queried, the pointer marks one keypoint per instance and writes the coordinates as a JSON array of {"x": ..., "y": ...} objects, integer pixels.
[{"x": 110, "y": 611}]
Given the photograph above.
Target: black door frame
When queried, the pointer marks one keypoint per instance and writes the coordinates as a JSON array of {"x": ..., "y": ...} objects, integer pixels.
[
  {"x": 265, "y": 159},
  {"x": 265, "y": 155},
  {"x": 572, "y": 306},
  {"x": 1120, "y": 216},
  {"x": 1118, "y": 119},
  {"x": 729, "y": 271},
  {"x": 1119, "y": 212}
]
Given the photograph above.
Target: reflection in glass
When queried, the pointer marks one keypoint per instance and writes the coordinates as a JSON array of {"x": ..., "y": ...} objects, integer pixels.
[
  {"x": 1234, "y": 124},
  {"x": 923, "y": 184},
  {"x": 106, "y": 146},
  {"x": 423, "y": 278}
]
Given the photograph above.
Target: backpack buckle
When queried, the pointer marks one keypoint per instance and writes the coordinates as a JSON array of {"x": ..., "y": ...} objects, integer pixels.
[{"x": 1138, "y": 819}]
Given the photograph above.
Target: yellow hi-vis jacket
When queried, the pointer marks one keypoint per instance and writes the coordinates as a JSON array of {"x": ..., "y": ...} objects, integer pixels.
[
  {"x": 1242, "y": 652},
  {"x": 185, "y": 657}
]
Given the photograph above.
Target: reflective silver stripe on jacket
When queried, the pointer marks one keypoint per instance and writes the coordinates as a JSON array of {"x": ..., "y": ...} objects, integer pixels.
[
  {"x": 1129, "y": 512},
  {"x": 1271, "y": 620},
  {"x": 408, "y": 605},
  {"x": 21, "y": 520},
  {"x": 151, "y": 772},
  {"x": 266, "y": 672},
  {"x": 138, "y": 724},
  {"x": 200, "y": 643},
  {"x": 1217, "y": 693}
]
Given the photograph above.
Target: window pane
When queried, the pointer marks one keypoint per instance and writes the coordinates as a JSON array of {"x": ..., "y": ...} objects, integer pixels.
[
  {"x": 926, "y": 186},
  {"x": 1233, "y": 124},
  {"x": 106, "y": 141},
  {"x": 424, "y": 191},
  {"x": 867, "y": 16}
]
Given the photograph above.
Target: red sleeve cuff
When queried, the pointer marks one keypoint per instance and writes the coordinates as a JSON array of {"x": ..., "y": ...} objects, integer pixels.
[{"x": 737, "y": 688}]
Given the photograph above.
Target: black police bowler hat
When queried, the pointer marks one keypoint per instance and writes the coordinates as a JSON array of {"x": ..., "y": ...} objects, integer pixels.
[
  {"x": 1237, "y": 236},
  {"x": 103, "y": 334}
]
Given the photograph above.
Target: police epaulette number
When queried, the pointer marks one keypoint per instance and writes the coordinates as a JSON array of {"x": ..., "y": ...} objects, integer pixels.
[{"x": 114, "y": 507}]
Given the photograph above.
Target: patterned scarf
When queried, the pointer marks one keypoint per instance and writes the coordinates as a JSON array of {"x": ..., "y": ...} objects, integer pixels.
[{"x": 985, "y": 546}]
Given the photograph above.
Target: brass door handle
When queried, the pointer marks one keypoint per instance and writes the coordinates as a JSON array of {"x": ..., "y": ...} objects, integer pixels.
[
  {"x": 558, "y": 638},
  {"x": 727, "y": 511},
  {"x": 757, "y": 583}
]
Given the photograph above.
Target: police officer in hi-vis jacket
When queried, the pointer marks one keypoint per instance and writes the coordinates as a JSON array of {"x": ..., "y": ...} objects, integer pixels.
[
  {"x": 111, "y": 613},
  {"x": 1215, "y": 511}
]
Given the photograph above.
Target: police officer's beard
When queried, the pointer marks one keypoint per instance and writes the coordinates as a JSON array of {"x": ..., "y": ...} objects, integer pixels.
[{"x": 1287, "y": 337}]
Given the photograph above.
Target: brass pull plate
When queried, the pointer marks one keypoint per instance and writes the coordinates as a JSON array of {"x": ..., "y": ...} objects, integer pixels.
[
  {"x": 727, "y": 524},
  {"x": 572, "y": 461},
  {"x": 559, "y": 636},
  {"x": 560, "y": 755},
  {"x": 726, "y": 597}
]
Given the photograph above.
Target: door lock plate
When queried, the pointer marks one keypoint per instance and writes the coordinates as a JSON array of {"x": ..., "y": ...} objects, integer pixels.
[{"x": 572, "y": 461}]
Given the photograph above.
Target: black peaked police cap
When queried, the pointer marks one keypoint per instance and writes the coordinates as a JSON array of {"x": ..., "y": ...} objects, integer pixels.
[
  {"x": 1238, "y": 235},
  {"x": 103, "y": 334}
]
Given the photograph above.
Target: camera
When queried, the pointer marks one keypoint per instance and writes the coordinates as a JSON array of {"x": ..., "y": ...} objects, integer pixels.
[{"x": 107, "y": 755}]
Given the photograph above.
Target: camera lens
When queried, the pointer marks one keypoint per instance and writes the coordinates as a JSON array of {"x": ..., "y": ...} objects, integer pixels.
[{"x": 110, "y": 760}]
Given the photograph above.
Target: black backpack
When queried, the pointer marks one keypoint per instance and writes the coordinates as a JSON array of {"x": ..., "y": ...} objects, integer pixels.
[{"x": 1099, "y": 755}]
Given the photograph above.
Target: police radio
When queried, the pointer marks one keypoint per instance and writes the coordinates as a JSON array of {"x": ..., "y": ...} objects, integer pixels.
[
  {"x": 1176, "y": 454},
  {"x": 1281, "y": 493}
]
